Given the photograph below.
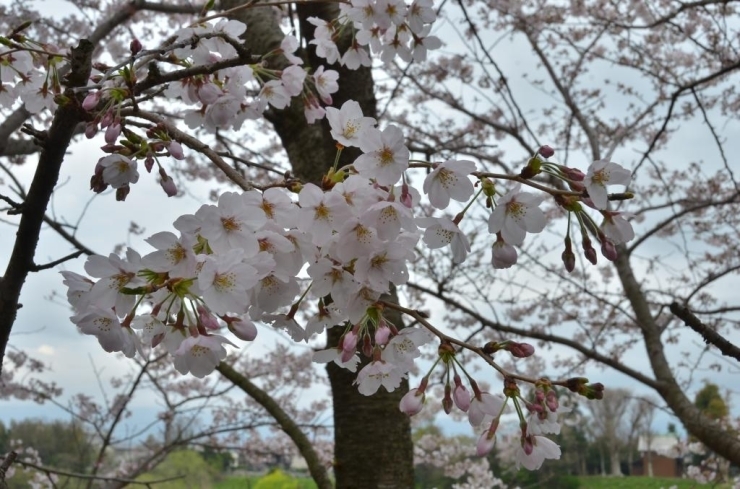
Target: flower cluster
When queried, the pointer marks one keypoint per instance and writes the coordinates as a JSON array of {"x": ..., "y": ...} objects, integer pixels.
[
  {"x": 29, "y": 71},
  {"x": 388, "y": 28}
]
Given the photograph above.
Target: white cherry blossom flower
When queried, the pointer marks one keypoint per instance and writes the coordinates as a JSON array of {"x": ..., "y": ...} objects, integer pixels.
[
  {"x": 276, "y": 94},
  {"x": 616, "y": 227},
  {"x": 118, "y": 170},
  {"x": 375, "y": 374},
  {"x": 449, "y": 180},
  {"x": 385, "y": 156},
  {"x": 152, "y": 329},
  {"x": 114, "y": 274},
  {"x": 200, "y": 355},
  {"x": 78, "y": 287},
  {"x": 326, "y": 83},
  {"x": 403, "y": 348},
  {"x": 355, "y": 57},
  {"x": 292, "y": 78},
  {"x": 388, "y": 264},
  {"x": 348, "y": 125},
  {"x": 516, "y": 214},
  {"x": 440, "y": 232},
  {"x": 321, "y": 213},
  {"x": 420, "y": 12},
  {"x": 104, "y": 325},
  {"x": 289, "y": 45},
  {"x": 335, "y": 355},
  {"x": 388, "y": 218},
  {"x": 600, "y": 174},
  {"x": 174, "y": 255},
  {"x": 484, "y": 405},
  {"x": 224, "y": 281},
  {"x": 231, "y": 224},
  {"x": 540, "y": 449}
]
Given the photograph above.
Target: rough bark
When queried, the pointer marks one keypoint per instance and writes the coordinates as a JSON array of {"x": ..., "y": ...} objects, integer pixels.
[{"x": 373, "y": 447}]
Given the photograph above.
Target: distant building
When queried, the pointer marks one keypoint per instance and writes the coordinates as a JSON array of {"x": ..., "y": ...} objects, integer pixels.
[{"x": 660, "y": 456}]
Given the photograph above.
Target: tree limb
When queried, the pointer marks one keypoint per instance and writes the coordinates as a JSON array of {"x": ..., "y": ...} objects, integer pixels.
[
  {"x": 315, "y": 467},
  {"x": 709, "y": 335}
]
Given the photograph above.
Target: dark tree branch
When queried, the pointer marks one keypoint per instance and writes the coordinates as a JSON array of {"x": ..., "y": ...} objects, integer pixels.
[
  {"x": 710, "y": 336},
  {"x": 46, "y": 266},
  {"x": 528, "y": 333},
  {"x": 45, "y": 179}
]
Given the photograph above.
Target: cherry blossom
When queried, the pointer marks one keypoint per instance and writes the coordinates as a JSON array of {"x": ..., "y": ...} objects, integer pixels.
[
  {"x": 224, "y": 281},
  {"x": 348, "y": 125},
  {"x": 118, "y": 170},
  {"x": 104, "y": 325},
  {"x": 386, "y": 157},
  {"x": 199, "y": 355},
  {"x": 516, "y": 214},
  {"x": 600, "y": 174},
  {"x": 449, "y": 180},
  {"x": 440, "y": 232},
  {"x": 378, "y": 373},
  {"x": 616, "y": 227},
  {"x": 534, "y": 450},
  {"x": 482, "y": 405}
]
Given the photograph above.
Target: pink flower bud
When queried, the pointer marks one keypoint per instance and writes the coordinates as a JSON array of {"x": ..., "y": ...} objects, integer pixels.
[
  {"x": 91, "y": 101},
  {"x": 382, "y": 335},
  {"x": 122, "y": 192},
  {"x": 112, "y": 133},
  {"x": 447, "y": 402},
  {"x": 176, "y": 150},
  {"x": 608, "y": 250},
  {"x": 367, "y": 346},
  {"x": 412, "y": 402},
  {"x": 487, "y": 439},
  {"x": 485, "y": 444},
  {"x": 349, "y": 346},
  {"x": 406, "y": 196},
  {"x": 207, "y": 319},
  {"x": 149, "y": 162},
  {"x": 243, "y": 328},
  {"x": 107, "y": 120},
  {"x": 539, "y": 396},
  {"x": 546, "y": 151},
  {"x": 552, "y": 401},
  {"x": 527, "y": 445},
  {"x": 169, "y": 187},
  {"x": 91, "y": 129},
  {"x": 503, "y": 255},
  {"x": 135, "y": 46},
  {"x": 461, "y": 396},
  {"x": 588, "y": 250},
  {"x": 520, "y": 350},
  {"x": 573, "y": 174}
]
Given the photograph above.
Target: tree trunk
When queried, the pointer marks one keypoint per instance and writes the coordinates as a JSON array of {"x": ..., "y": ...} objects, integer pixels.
[
  {"x": 373, "y": 447},
  {"x": 614, "y": 460},
  {"x": 693, "y": 419}
]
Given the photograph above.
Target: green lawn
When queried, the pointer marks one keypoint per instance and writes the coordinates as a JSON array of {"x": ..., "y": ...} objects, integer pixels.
[
  {"x": 598, "y": 482},
  {"x": 253, "y": 483}
]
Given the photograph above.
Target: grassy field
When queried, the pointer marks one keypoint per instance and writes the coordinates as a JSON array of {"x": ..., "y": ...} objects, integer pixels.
[
  {"x": 598, "y": 482},
  {"x": 251, "y": 483}
]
